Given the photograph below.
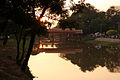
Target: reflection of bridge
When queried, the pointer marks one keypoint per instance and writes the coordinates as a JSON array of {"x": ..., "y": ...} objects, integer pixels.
[
  {"x": 60, "y": 50},
  {"x": 52, "y": 48}
]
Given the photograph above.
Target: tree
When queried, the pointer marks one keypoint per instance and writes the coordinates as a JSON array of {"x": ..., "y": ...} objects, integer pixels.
[
  {"x": 91, "y": 20},
  {"x": 68, "y": 24},
  {"x": 22, "y": 15},
  {"x": 98, "y": 24},
  {"x": 113, "y": 18},
  {"x": 86, "y": 17},
  {"x": 55, "y": 7},
  {"x": 3, "y": 20}
]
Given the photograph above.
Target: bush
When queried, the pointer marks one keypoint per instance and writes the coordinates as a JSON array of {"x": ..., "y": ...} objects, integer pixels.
[{"x": 112, "y": 32}]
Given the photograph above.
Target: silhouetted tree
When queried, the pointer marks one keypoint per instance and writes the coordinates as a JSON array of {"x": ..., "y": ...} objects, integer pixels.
[
  {"x": 17, "y": 20},
  {"x": 21, "y": 13}
]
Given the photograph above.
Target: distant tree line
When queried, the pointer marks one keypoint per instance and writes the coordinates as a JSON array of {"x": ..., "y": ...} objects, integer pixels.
[{"x": 91, "y": 20}]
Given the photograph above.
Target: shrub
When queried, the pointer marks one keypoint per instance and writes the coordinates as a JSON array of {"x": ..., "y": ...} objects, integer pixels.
[{"x": 111, "y": 32}]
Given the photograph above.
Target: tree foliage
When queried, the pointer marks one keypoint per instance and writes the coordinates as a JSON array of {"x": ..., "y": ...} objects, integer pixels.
[
  {"x": 18, "y": 17},
  {"x": 68, "y": 24},
  {"x": 92, "y": 20}
]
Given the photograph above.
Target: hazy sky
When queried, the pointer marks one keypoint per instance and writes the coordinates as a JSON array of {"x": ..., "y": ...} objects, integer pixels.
[{"x": 103, "y": 5}]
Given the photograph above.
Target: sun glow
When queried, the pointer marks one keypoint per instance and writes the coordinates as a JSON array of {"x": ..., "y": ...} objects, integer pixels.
[{"x": 43, "y": 19}]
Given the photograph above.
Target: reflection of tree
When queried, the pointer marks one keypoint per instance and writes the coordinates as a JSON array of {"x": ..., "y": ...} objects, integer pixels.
[
  {"x": 69, "y": 44},
  {"x": 112, "y": 62},
  {"x": 91, "y": 58}
]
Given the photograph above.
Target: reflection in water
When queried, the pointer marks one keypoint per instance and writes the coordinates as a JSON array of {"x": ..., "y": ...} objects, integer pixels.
[
  {"x": 91, "y": 63},
  {"x": 50, "y": 66},
  {"x": 47, "y": 46},
  {"x": 92, "y": 58},
  {"x": 56, "y": 48},
  {"x": 42, "y": 47}
]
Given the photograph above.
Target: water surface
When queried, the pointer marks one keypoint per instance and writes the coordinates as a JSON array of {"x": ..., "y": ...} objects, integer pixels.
[{"x": 85, "y": 62}]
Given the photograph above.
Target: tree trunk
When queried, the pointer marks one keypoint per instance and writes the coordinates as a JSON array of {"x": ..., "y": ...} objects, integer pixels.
[
  {"x": 18, "y": 52},
  {"x": 24, "y": 65},
  {"x": 18, "y": 39},
  {"x": 25, "y": 62},
  {"x": 23, "y": 49}
]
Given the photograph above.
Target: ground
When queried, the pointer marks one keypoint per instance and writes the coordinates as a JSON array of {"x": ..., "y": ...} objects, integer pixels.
[
  {"x": 9, "y": 70},
  {"x": 108, "y": 40}
]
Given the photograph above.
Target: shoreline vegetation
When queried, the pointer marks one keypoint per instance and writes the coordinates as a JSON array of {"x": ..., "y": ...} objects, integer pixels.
[
  {"x": 9, "y": 70},
  {"x": 103, "y": 41}
]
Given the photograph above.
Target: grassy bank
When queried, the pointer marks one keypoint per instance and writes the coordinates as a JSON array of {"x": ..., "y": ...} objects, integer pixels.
[{"x": 104, "y": 43}]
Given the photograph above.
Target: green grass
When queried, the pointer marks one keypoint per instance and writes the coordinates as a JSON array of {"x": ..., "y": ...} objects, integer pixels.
[
  {"x": 26, "y": 45},
  {"x": 14, "y": 43},
  {"x": 104, "y": 43}
]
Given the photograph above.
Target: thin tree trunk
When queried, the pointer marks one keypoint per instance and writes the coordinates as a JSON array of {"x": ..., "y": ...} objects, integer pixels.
[
  {"x": 18, "y": 38},
  {"x": 24, "y": 65},
  {"x": 23, "y": 49},
  {"x": 18, "y": 52}
]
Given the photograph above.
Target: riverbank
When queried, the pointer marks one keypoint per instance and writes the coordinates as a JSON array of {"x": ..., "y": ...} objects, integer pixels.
[
  {"x": 9, "y": 70},
  {"x": 108, "y": 40},
  {"x": 103, "y": 41}
]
